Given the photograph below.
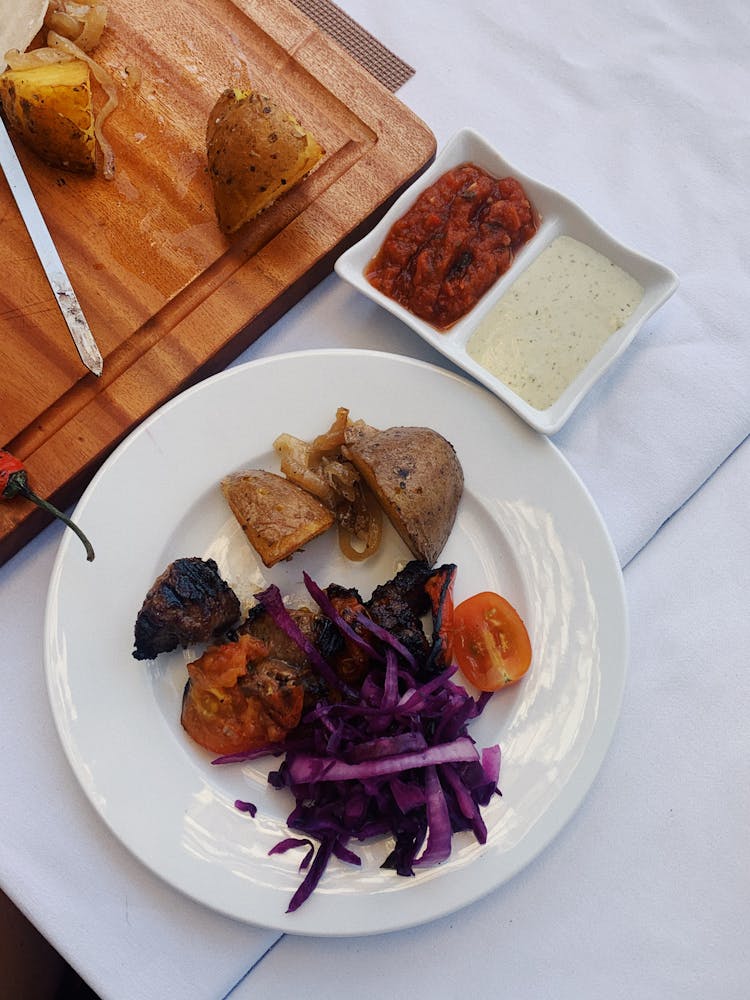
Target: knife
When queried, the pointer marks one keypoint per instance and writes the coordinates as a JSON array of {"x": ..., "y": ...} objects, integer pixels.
[{"x": 48, "y": 255}]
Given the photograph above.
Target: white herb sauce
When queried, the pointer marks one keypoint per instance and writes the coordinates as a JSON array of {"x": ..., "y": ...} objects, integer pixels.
[{"x": 553, "y": 319}]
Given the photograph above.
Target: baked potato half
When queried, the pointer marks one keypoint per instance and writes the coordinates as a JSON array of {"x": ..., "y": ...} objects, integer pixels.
[
  {"x": 416, "y": 477},
  {"x": 256, "y": 152},
  {"x": 50, "y": 108},
  {"x": 277, "y": 516}
]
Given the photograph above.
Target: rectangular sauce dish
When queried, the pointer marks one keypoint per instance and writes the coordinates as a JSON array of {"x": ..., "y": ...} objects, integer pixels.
[{"x": 571, "y": 301}]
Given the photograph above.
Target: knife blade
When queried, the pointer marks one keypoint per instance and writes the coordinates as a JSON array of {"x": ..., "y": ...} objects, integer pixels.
[{"x": 48, "y": 255}]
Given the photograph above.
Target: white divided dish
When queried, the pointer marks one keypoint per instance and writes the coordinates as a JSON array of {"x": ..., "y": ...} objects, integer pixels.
[{"x": 558, "y": 216}]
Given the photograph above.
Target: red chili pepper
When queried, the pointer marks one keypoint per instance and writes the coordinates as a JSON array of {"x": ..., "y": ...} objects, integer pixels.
[{"x": 14, "y": 482}]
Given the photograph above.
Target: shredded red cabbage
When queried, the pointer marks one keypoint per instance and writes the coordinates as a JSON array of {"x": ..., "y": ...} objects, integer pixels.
[
  {"x": 273, "y": 602},
  {"x": 289, "y": 843},
  {"x": 394, "y": 759},
  {"x": 307, "y": 769},
  {"x": 327, "y": 607},
  {"x": 387, "y": 637},
  {"x": 438, "y": 821},
  {"x": 264, "y": 751}
]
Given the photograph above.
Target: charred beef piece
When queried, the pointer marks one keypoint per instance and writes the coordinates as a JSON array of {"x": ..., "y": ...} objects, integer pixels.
[
  {"x": 262, "y": 626},
  {"x": 349, "y": 660},
  {"x": 399, "y": 604},
  {"x": 407, "y": 585},
  {"x": 272, "y": 682},
  {"x": 188, "y": 603},
  {"x": 281, "y": 648},
  {"x": 344, "y": 597}
]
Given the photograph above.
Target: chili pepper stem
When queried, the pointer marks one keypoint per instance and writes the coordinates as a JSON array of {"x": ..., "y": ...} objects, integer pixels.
[{"x": 29, "y": 494}]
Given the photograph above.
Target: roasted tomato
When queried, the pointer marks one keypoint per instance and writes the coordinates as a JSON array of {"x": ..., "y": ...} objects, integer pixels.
[
  {"x": 489, "y": 642},
  {"x": 439, "y": 587},
  {"x": 238, "y": 699}
]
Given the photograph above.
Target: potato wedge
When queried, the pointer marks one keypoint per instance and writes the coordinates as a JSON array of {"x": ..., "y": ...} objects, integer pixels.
[
  {"x": 416, "y": 477},
  {"x": 256, "y": 152},
  {"x": 277, "y": 516},
  {"x": 50, "y": 108}
]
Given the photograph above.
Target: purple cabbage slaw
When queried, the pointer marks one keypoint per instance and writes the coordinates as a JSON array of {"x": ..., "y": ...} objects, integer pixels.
[{"x": 394, "y": 758}]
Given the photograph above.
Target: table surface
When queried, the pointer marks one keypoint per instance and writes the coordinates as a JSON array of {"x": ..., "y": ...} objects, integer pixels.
[{"x": 639, "y": 114}]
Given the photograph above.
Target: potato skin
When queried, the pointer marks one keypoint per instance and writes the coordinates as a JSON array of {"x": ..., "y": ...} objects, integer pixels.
[
  {"x": 50, "y": 108},
  {"x": 417, "y": 478},
  {"x": 256, "y": 152}
]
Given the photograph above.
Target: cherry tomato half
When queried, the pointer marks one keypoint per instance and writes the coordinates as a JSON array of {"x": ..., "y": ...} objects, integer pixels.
[{"x": 489, "y": 641}]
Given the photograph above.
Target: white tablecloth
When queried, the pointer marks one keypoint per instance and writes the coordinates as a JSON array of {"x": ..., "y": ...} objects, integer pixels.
[
  {"x": 646, "y": 893},
  {"x": 640, "y": 114}
]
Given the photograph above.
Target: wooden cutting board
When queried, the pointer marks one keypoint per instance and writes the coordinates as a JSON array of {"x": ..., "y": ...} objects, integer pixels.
[{"x": 168, "y": 298}]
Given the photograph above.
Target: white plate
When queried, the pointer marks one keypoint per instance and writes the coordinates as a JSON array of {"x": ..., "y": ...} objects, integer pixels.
[
  {"x": 559, "y": 216},
  {"x": 526, "y": 528}
]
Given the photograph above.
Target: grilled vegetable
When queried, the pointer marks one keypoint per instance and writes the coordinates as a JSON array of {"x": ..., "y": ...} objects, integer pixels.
[
  {"x": 239, "y": 699},
  {"x": 256, "y": 153},
  {"x": 50, "y": 108}
]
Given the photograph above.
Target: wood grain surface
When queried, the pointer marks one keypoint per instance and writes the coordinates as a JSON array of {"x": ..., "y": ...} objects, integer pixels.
[{"x": 169, "y": 299}]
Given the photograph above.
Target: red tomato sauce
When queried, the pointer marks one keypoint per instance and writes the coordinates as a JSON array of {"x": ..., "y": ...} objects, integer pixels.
[{"x": 458, "y": 238}]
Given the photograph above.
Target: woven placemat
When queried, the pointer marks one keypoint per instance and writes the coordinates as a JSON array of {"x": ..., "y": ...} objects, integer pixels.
[{"x": 386, "y": 67}]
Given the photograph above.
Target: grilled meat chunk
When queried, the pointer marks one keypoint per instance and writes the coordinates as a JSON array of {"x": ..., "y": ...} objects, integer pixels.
[
  {"x": 261, "y": 625},
  {"x": 399, "y": 604},
  {"x": 189, "y": 602},
  {"x": 349, "y": 660},
  {"x": 272, "y": 682},
  {"x": 407, "y": 585}
]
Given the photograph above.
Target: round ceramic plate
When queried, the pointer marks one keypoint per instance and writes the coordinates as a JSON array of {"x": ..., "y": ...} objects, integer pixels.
[{"x": 526, "y": 528}]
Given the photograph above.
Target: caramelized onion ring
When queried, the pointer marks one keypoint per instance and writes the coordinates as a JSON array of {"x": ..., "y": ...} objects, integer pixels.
[
  {"x": 63, "y": 23},
  {"x": 93, "y": 26},
  {"x": 320, "y": 469},
  {"x": 374, "y": 532},
  {"x": 108, "y": 85},
  {"x": 81, "y": 23},
  {"x": 327, "y": 445},
  {"x": 34, "y": 58}
]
